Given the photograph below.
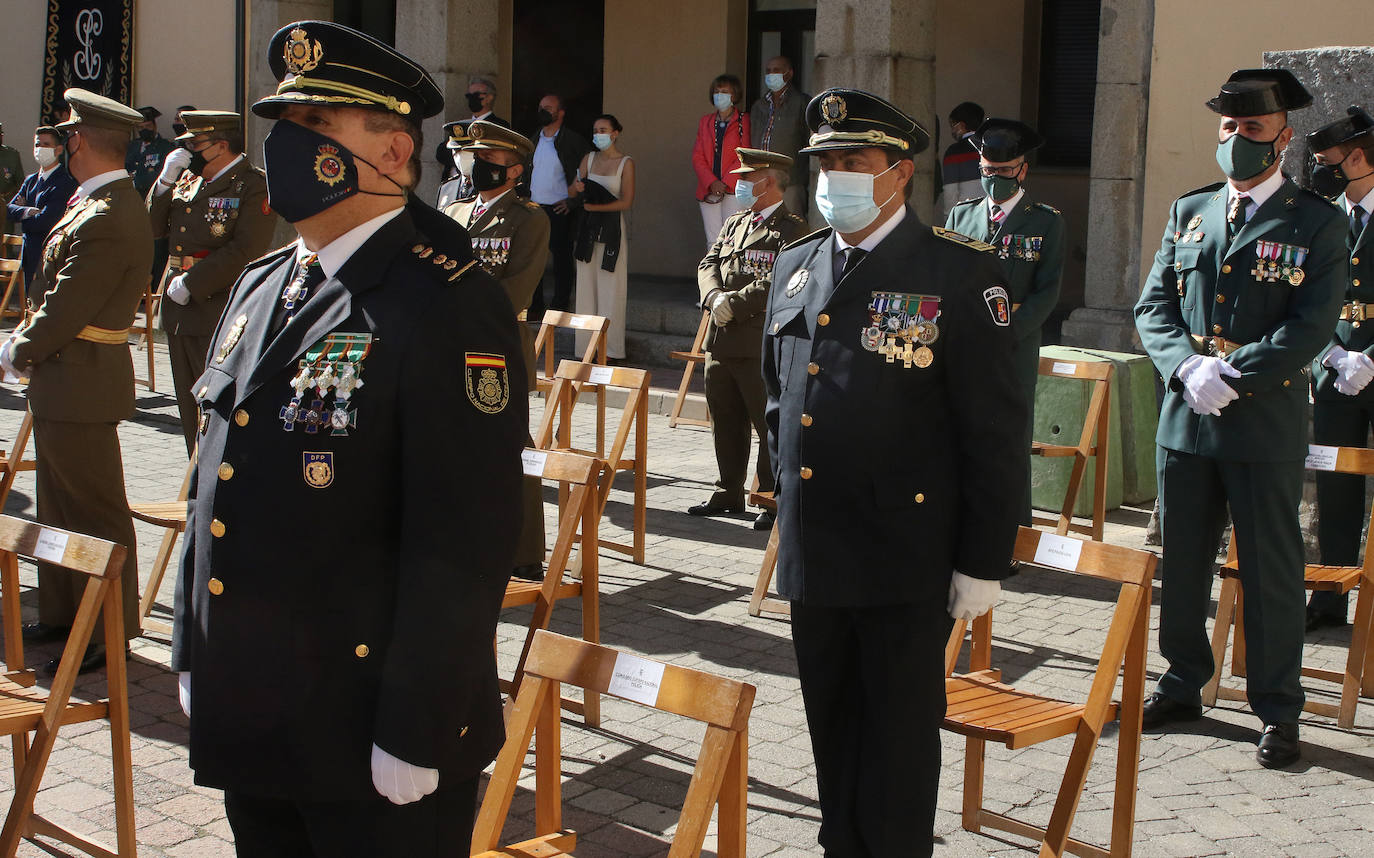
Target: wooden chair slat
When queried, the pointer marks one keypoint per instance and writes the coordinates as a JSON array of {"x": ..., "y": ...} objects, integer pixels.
[
  {"x": 693, "y": 356},
  {"x": 1096, "y": 423}
]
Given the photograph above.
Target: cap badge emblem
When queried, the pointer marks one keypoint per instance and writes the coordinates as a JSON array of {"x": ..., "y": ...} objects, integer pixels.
[
  {"x": 833, "y": 109},
  {"x": 302, "y": 54},
  {"x": 328, "y": 167},
  {"x": 475, "y": 133}
]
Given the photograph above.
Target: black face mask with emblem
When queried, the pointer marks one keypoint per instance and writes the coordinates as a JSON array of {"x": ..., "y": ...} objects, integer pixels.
[
  {"x": 487, "y": 176},
  {"x": 308, "y": 172},
  {"x": 198, "y": 161}
]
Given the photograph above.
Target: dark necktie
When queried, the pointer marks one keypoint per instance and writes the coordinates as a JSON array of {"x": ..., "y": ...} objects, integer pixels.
[
  {"x": 477, "y": 212},
  {"x": 995, "y": 218},
  {"x": 1237, "y": 216},
  {"x": 1356, "y": 224},
  {"x": 845, "y": 262},
  {"x": 309, "y": 274}
]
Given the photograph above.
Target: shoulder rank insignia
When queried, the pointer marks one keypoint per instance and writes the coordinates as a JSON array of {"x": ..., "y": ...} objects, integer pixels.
[
  {"x": 969, "y": 200},
  {"x": 1047, "y": 207},
  {"x": 960, "y": 238},
  {"x": 998, "y": 305},
  {"x": 823, "y": 231},
  {"x": 487, "y": 384}
]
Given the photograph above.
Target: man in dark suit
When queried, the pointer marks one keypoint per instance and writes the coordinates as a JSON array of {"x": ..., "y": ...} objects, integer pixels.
[
  {"x": 558, "y": 153},
  {"x": 894, "y": 424},
  {"x": 343, "y": 570},
  {"x": 1244, "y": 292},
  {"x": 42, "y": 198}
]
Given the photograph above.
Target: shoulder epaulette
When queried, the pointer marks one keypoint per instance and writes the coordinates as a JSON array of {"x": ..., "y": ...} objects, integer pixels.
[
  {"x": 1047, "y": 207},
  {"x": 960, "y": 238},
  {"x": 442, "y": 267},
  {"x": 1318, "y": 196},
  {"x": 796, "y": 217},
  {"x": 533, "y": 206},
  {"x": 1205, "y": 189},
  {"x": 820, "y": 233},
  {"x": 969, "y": 200},
  {"x": 272, "y": 256}
]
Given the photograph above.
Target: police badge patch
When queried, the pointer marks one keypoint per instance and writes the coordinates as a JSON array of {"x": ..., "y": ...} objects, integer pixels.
[
  {"x": 488, "y": 386},
  {"x": 999, "y": 305},
  {"x": 328, "y": 166},
  {"x": 318, "y": 469}
]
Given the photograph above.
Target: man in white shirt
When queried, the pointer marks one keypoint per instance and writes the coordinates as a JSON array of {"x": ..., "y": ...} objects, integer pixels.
[{"x": 558, "y": 153}]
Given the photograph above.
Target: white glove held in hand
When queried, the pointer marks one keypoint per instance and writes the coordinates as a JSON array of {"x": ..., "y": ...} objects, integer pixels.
[
  {"x": 184, "y": 691},
  {"x": 398, "y": 781},
  {"x": 971, "y": 597},
  {"x": 176, "y": 161},
  {"x": 1203, "y": 387},
  {"x": 7, "y": 361},
  {"x": 1355, "y": 368},
  {"x": 721, "y": 313},
  {"x": 177, "y": 291}
]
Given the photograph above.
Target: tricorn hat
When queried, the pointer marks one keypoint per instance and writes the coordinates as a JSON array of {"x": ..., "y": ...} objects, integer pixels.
[
  {"x": 1356, "y": 123},
  {"x": 1257, "y": 92}
]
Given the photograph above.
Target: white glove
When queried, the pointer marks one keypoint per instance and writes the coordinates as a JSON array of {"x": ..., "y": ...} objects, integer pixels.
[
  {"x": 721, "y": 313},
  {"x": 1203, "y": 388},
  {"x": 1355, "y": 368},
  {"x": 177, "y": 291},
  {"x": 173, "y": 165},
  {"x": 184, "y": 691},
  {"x": 972, "y": 597},
  {"x": 398, "y": 781},
  {"x": 11, "y": 374}
]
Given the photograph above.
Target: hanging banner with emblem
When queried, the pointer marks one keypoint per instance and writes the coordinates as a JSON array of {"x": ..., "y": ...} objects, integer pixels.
[{"x": 90, "y": 44}]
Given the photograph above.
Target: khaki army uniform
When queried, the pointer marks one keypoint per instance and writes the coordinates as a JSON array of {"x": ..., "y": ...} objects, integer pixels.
[
  {"x": 740, "y": 264},
  {"x": 214, "y": 228},
  {"x": 511, "y": 242},
  {"x": 75, "y": 347}
]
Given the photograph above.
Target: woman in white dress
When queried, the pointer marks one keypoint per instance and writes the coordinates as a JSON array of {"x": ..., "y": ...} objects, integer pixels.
[{"x": 607, "y": 181}]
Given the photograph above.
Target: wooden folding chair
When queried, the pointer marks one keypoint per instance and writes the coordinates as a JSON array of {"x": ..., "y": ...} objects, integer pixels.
[
  {"x": 13, "y": 274},
  {"x": 719, "y": 780},
  {"x": 1092, "y": 444},
  {"x": 759, "y": 601},
  {"x": 984, "y": 709},
  {"x": 12, "y": 461},
  {"x": 1359, "y": 660},
  {"x": 172, "y": 516},
  {"x": 555, "y": 433},
  {"x": 594, "y": 353},
  {"x": 577, "y": 474},
  {"x": 32, "y": 718},
  {"x": 142, "y": 329},
  {"x": 693, "y": 356}
]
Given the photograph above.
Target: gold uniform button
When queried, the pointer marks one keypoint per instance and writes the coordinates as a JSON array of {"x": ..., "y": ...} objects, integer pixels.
[
  {"x": 463, "y": 732},
  {"x": 361, "y": 651},
  {"x": 1248, "y": 393},
  {"x": 179, "y": 248},
  {"x": 215, "y": 586},
  {"x": 1178, "y": 266},
  {"x": 226, "y": 471},
  {"x": 1221, "y": 299},
  {"x": 1355, "y": 282},
  {"x": 1287, "y": 382},
  {"x": 200, "y": 394},
  {"x": 813, "y": 368},
  {"x": 806, "y": 420},
  {"x": 806, "y": 473},
  {"x": 823, "y": 319},
  {"x": 188, "y": 209},
  {"x": 216, "y": 527},
  {"x": 1216, "y": 329},
  {"x": 920, "y": 497},
  {"x": 1355, "y": 260},
  {"x": 241, "y": 417},
  {"x": 183, "y": 229},
  {"x": 1226, "y": 269}
]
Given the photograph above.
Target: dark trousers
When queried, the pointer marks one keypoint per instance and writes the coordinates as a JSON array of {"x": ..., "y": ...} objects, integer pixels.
[
  {"x": 187, "y": 356},
  {"x": 1028, "y": 374},
  {"x": 1340, "y": 497},
  {"x": 736, "y": 398},
  {"x": 437, "y": 826},
  {"x": 872, "y": 681},
  {"x": 1263, "y": 497},
  {"x": 160, "y": 254},
  {"x": 80, "y": 482},
  {"x": 564, "y": 271}
]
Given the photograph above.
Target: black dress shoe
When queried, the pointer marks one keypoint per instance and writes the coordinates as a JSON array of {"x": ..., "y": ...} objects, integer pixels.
[
  {"x": 529, "y": 572},
  {"x": 94, "y": 659},
  {"x": 710, "y": 508},
  {"x": 1278, "y": 747},
  {"x": 1321, "y": 619},
  {"x": 1161, "y": 709},
  {"x": 764, "y": 521},
  {"x": 38, "y": 633}
]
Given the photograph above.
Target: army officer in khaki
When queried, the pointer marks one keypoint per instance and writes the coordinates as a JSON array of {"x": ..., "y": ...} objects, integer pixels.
[
  {"x": 74, "y": 349},
  {"x": 733, "y": 279},
  {"x": 510, "y": 239},
  {"x": 211, "y": 205}
]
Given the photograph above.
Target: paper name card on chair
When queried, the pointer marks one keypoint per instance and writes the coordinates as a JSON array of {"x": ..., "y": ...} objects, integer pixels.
[
  {"x": 533, "y": 462},
  {"x": 50, "y": 545},
  {"x": 1060, "y": 552},
  {"x": 636, "y": 679},
  {"x": 1320, "y": 457},
  {"x": 601, "y": 374},
  {"x": 1065, "y": 367}
]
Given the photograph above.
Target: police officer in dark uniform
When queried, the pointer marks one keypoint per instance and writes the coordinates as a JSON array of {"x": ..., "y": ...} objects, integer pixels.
[
  {"x": 1243, "y": 294},
  {"x": 344, "y": 566},
  {"x": 733, "y": 280},
  {"x": 895, "y": 425},
  {"x": 1344, "y": 402}
]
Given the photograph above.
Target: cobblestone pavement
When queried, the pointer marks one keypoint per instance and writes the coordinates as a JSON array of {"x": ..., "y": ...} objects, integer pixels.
[{"x": 1200, "y": 791}]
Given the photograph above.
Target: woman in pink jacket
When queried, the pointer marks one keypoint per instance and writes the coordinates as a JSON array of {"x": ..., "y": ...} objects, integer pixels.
[{"x": 713, "y": 156}]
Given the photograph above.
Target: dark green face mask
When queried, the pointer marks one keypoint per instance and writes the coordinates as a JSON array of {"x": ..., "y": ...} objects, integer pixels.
[
  {"x": 999, "y": 188},
  {"x": 1241, "y": 158}
]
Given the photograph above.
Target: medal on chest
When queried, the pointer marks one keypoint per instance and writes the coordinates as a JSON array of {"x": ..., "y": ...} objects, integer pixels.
[
  {"x": 902, "y": 326},
  {"x": 491, "y": 252},
  {"x": 220, "y": 212},
  {"x": 1275, "y": 261},
  {"x": 329, "y": 373}
]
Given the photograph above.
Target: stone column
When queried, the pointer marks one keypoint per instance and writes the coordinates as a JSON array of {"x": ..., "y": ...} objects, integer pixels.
[
  {"x": 886, "y": 47},
  {"x": 454, "y": 40},
  {"x": 1117, "y": 180}
]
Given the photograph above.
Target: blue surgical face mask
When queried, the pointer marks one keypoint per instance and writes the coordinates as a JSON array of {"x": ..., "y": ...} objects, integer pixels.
[
  {"x": 774, "y": 82},
  {"x": 722, "y": 100},
  {"x": 601, "y": 141},
  {"x": 845, "y": 199},
  {"x": 744, "y": 194}
]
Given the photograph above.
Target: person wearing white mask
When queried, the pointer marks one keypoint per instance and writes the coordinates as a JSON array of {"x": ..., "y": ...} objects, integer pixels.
[
  {"x": 894, "y": 427},
  {"x": 777, "y": 123},
  {"x": 459, "y": 185},
  {"x": 719, "y": 133},
  {"x": 42, "y": 198}
]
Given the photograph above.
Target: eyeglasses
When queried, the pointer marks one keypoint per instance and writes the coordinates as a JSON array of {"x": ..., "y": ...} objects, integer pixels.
[{"x": 1004, "y": 172}]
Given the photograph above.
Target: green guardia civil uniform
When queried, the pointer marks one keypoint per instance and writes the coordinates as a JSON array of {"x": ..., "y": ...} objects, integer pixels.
[
  {"x": 11, "y": 177},
  {"x": 740, "y": 264},
  {"x": 1265, "y": 301},
  {"x": 214, "y": 227},
  {"x": 510, "y": 240},
  {"x": 74, "y": 349}
]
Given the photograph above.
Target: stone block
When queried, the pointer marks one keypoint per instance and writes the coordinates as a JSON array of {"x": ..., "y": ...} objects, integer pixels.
[
  {"x": 1061, "y": 405},
  {"x": 1337, "y": 77},
  {"x": 1092, "y": 327},
  {"x": 1125, "y": 30},
  {"x": 1111, "y": 278},
  {"x": 1119, "y": 112}
]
